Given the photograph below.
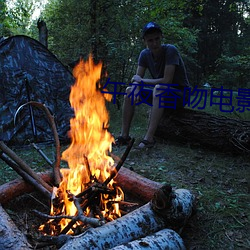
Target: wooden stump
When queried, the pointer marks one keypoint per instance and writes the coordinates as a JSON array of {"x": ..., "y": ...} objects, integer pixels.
[
  {"x": 212, "y": 131},
  {"x": 43, "y": 32}
]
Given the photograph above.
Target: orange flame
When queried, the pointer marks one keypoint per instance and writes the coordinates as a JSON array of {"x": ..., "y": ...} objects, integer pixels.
[{"x": 88, "y": 155}]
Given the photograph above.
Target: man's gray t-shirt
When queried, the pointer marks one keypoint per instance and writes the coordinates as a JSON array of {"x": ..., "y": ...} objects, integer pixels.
[{"x": 171, "y": 56}]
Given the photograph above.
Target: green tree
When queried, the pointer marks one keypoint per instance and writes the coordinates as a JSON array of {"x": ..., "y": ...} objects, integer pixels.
[
  {"x": 223, "y": 33},
  {"x": 20, "y": 15},
  {"x": 111, "y": 30},
  {"x": 4, "y": 20}
]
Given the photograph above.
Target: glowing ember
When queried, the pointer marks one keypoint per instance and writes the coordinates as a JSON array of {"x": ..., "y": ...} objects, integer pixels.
[{"x": 88, "y": 155}]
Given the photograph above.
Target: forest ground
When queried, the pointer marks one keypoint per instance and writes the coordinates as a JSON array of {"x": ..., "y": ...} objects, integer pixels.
[{"x": 219, "y": 180}]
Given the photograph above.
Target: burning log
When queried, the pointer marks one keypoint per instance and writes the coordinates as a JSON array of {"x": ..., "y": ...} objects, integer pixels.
[
  {"x": 163, "y": 239},
  {"x": 165, "y": 210},
  {"x": 10, "y": 237}
]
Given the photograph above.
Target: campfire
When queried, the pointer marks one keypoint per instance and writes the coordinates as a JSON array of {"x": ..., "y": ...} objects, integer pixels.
[
  {"x": 87, "y": 188},
  {"x": 87, "y": 198}
]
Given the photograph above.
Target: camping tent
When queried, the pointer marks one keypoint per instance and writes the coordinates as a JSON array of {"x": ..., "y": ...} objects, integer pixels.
[{"x": 30, "y": 72}]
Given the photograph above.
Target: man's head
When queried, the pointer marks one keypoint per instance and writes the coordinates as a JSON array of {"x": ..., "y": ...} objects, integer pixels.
[
  {"x": 152, "y": 36},
  {"x": 150, "y": 28}
]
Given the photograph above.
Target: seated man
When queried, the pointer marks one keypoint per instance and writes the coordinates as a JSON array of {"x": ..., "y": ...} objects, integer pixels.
[{"x": 168, "y": 73}]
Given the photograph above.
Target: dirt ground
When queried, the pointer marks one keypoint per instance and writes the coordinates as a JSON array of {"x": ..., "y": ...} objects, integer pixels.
[{"x": 220, "y": 182}]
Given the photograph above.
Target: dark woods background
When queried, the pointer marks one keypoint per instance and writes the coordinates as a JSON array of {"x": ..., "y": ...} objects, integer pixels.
[{"x": 213, "y": 35}]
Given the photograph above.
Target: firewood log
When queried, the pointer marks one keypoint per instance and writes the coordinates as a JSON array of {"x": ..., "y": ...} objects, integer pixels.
[
  {"x": 149, "y": 218},
  {"x": 161, "y": 240},
  {"x": 131, "y": 182},
  {"x": 10, "y": 237},
  {"x": 136, "y": 185},
  {"x": 18, "y": 187}
]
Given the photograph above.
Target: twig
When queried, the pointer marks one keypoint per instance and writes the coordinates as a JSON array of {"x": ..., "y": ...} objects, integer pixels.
[
  {"x": 87, "y": 220},
  {"x": 42, "y": 154},
  {"x": 120, "y": 163},
  {"x": 52, "y": 217}
]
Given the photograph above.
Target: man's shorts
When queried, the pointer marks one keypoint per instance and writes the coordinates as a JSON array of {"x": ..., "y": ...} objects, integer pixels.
[{"x": 172, "y": 100}]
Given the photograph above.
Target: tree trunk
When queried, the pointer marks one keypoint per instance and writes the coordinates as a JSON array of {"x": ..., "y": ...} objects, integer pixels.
[
  {"x": 10, "y": 237},
  {"x": 212, "y": 131}
]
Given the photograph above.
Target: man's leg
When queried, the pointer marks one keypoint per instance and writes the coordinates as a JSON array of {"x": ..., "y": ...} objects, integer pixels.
[
  {"x": 155, "y": 117},
  {"x": 127, "y": 114}
]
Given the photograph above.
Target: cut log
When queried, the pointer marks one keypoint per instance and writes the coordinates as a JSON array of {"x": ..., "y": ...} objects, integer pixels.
[
  {"x": 140, "y": 187},
  {"x": 18, "y": 187},
  {"x": 139, "y": 223},
  {"x": 150, "y": 218},
  {"x": 212, "y": 131},
  {"x": 10, "y": 237},
  {"x": 163, "y": 239}
]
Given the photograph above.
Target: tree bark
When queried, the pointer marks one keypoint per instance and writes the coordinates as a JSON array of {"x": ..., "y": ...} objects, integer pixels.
[
  {"x": 167, "y": 209},
  {"x": 163, "y": 239},
  {"x": 10, "y": 237},
  {"x": 212, "y": 131},
  {"x": 136, "y": 185},
  {"x": 18, "y": 187}
]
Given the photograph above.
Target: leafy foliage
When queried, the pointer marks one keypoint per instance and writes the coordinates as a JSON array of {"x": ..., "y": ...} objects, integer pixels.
[{"x": 213, "y": 36}]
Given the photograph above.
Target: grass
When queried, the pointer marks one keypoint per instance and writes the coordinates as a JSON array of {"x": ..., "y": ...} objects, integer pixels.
[{"x": 220, "y": 182}]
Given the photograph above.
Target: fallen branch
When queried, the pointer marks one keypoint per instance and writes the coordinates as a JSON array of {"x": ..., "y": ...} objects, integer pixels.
[
  {"x": 211, "y": 131},
  {"x": 120, "y": 163},
  {"x": 26, "y": 176},
  {"x": 23, "y": 165}
]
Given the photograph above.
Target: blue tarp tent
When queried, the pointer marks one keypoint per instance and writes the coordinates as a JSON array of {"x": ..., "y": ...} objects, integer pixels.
[{"x": 29, "y": 71}]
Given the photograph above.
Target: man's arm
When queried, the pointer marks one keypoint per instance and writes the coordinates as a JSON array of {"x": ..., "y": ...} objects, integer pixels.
[
  {"x": 167, "y": 78},
  {"x": 140, "y": 72}
]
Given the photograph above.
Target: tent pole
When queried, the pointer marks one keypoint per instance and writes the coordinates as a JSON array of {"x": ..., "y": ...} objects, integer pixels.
[{"x": 33, "y": 125}]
